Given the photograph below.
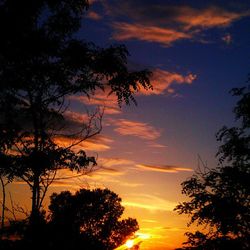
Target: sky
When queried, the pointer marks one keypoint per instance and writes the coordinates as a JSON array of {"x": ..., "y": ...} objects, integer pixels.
[{"x": 197, "y": 51}]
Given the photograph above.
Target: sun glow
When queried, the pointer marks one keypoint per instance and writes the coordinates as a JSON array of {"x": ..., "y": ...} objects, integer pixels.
[
  {"x": 129, "y": 243},
  {"x": 135, "y": 241}
]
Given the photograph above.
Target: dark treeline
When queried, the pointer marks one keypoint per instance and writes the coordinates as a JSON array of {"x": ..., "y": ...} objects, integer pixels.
[{"x": 88, "y": 219}]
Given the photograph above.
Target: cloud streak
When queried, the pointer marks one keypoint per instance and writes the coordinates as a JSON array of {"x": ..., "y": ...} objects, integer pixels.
[
  {"x": 135, "y": 128},
  {"x": 168, "y": 23},
  {"x": 97, "y": 143},
  {"x": 211, "y": 17},
  {"x": 166, "y": 36},
  {"x": 149, "y": 202},
  {"x": 163, "y": 81},
  {"x": 94, "y": 16},
  {"x": 164, "y": 168},
  {"x": 100, "y": 98},
  {"x": 76, "y": 117},
  {"x": 111, "y": 162}
]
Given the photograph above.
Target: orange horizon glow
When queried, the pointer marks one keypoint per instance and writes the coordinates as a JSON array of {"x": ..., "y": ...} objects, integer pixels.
[{"x": 136, "y": 240}]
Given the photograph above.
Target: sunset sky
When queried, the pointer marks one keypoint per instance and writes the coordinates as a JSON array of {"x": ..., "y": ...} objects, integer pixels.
[{"x": 198, "y": 51}]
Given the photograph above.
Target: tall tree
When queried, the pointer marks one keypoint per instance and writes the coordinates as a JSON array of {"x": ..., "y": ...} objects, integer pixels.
[
  {"x": 220, "y": 197},
  {"x": 42, "y": 63},
  {"x": 89, "y": 218}
]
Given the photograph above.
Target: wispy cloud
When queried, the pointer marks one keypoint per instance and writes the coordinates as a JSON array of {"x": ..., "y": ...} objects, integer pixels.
[
  {"x": 76, "y": 117},
  {"x": 163, "y": 81},
  {"x": 168, "y": 23},
  {"x": 110, "y": 162},
  {"x": 109, "y": 170},
  {"x": 101, "y": 98},
  {"x": 93, "y": 178},
  {"x": 164, "y": 168},
  {"x": 97, "y": 143},
  {"x": 112, "y": 166},
  {"x": 149, "y": 221},
  {"x": 166, "y": 36},
  {"x": 105, "y": 178},
  {"x": 210, "y": 17},
  {"x": 135, "y": 128},
  {"x": 94, "y": 16},
  {"x": 149, "y": 202},
  {"x": 156, "y": 145}
]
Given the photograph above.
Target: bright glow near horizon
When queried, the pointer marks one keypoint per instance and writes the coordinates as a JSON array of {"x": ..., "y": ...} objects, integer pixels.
[{"x": 129, "y": 243}]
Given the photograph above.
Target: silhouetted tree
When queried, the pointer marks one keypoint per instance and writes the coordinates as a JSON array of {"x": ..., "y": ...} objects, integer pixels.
[
  {"x": 90, "y": 219},
  {"x": 5, "y": 176},
  {"x": 42, "y": 63},
  {"x": 220, "y": 197}
]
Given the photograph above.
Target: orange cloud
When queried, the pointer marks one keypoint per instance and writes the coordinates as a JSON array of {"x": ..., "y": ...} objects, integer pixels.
[
  {"x": 92, "y": 178},
  {"x": 109, "y": 170},
  {"x": 162, "y": 81},
  {"x": 105, "y": 178},
  {"x": 97, "y": 143},
  {"x": 110, "y": 162},
  {"x": 111, "y": 166},
  {"x": 94, "y": 16},
  {"x": 101, "y": 98},
  {"x": 76, "y": 117},
  {"x": 166, "y": 36},
  {"x": 164, "y": 169},
  {"x": 207, "y": 18},
  {"x": 156, "y": 145},
  {"x": 135, "y": 128},
  {"x": 166, "y": 23},
  {"x": 149, "y": 202},
  {"x": 92, "y": 1}
]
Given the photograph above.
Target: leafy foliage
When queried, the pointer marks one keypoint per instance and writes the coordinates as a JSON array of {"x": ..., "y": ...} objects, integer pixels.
[
  {"x": 42, "y": 64},
  {"x": 220, "y": 197},
  {"x": 89, "y": 218}
]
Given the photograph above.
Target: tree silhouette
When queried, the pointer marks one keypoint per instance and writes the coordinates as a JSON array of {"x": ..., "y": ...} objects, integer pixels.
[
  {"x": 89, "y": 218},
  {"x": 220, "y": 197},
  {"x": 42, "y": 63}
]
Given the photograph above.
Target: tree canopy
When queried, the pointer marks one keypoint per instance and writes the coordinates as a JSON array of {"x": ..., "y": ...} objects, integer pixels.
[
  {"x": 43, "y": 62},
  {"x": 220, "y": 197},
  {"x": 89, "y": 218}
]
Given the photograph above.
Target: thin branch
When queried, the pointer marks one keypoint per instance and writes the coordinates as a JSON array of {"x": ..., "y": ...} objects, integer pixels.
[
  {"x": 12, "y": 207},
  {"x": 88, "y": 130},
  {"x": 3, "y": 203},
  {"x": 46, "y": 185}
]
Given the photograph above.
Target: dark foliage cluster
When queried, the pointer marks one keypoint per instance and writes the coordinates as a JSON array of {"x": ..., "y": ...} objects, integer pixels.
[
  {"x": 88, "y": 219},
  {"x": 43, "y": 62},
  {"x": 220, "y": 197}
]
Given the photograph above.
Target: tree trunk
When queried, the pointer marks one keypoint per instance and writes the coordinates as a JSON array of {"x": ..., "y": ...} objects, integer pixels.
[
  {"x": 3, "y": 204},
  {"x": 35, "y": 217}
]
